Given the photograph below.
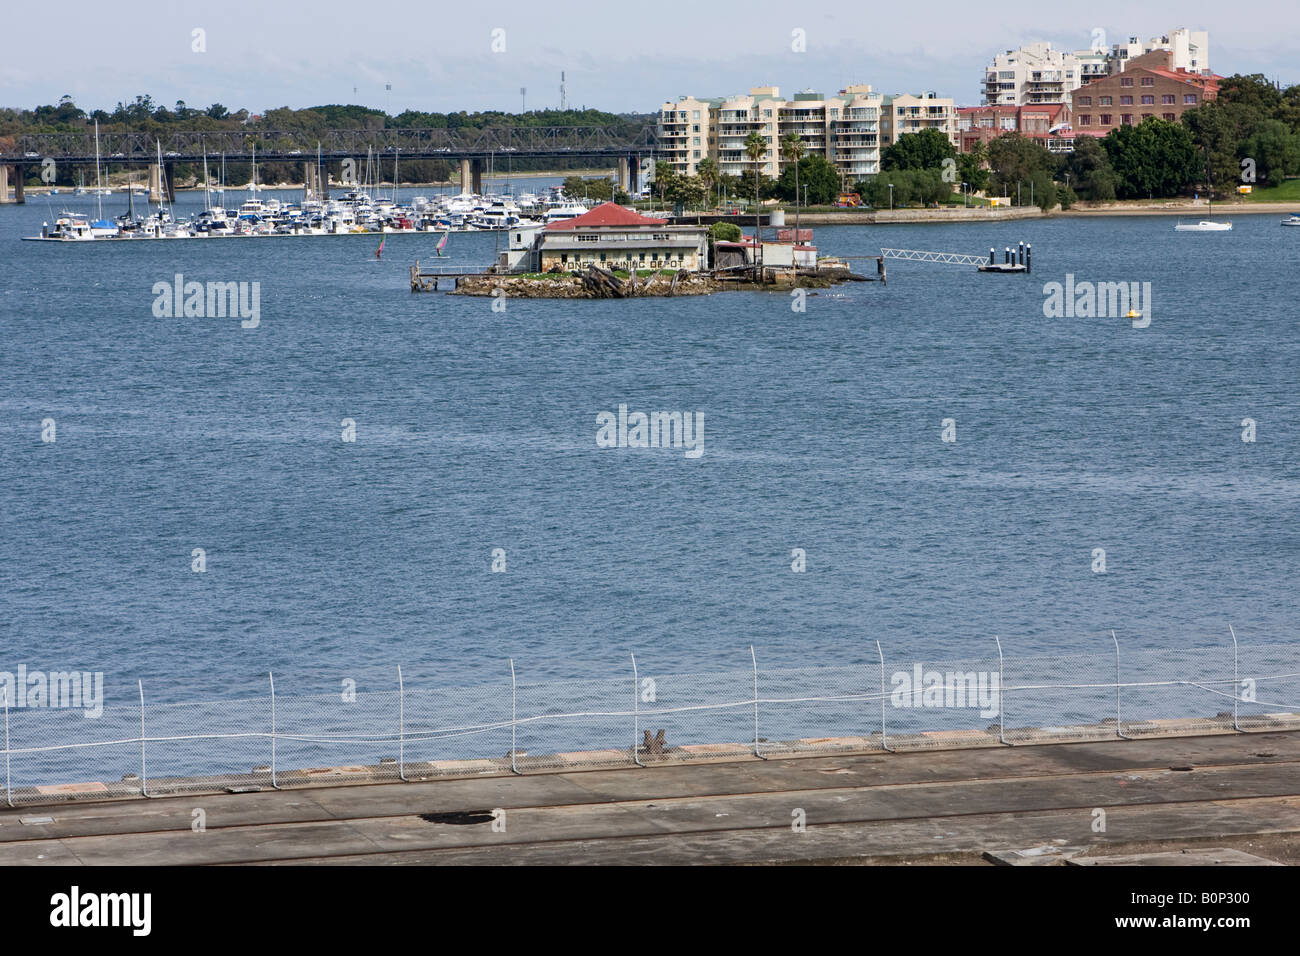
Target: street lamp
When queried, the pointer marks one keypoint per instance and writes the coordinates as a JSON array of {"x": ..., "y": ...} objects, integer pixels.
[
  {"x": 891, "y": 197},
  {"x": 965, "y": 196}
]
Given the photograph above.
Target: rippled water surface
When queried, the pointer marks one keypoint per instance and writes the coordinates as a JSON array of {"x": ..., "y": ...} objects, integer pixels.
[{"x": 476, "y": 430}]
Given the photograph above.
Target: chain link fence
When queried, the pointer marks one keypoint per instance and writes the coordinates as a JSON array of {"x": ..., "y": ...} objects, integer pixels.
[{"x": 387, "y": 727}]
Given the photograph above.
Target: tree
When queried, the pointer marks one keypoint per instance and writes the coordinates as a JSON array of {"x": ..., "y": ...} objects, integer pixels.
[
  {"x": 972, "y": 169},
  {"x": 1275, "y": 150},
  {"x": 1156, "y": 158},
  {"x": 665, "y": 176},
  {"x": 690, "y": 191},
  {"x": 1087, "y": 170},
  {"x": 820, "y": 181},
  {"x": 1215, "y": 139},
  {"x": 599, "y": 190},
  {"x": 924, "y": 150},
  {"x": 1043, "y": 190},
  {"x": 707, "y": 170},
  {"x": 792, "y": 149},
  {"x": 756, "y": 149},
  {"x": 911, "y": 187},
  {"x": 1013, "y": 160},
  {"x": 725, "y": 231}
]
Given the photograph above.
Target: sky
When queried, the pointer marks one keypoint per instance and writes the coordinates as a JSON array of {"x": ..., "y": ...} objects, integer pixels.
[{"x": 441, "y": 56}]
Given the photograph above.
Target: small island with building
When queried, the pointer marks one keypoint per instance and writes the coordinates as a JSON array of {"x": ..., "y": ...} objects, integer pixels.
[{"x": 613, "y": 252}]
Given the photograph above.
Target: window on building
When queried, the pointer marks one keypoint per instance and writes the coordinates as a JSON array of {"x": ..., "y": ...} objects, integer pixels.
[
  {"x": 1126, "y": 119},
  {"x": 1189, "y": 99},
  {"x": 1126, "y": 81},
  {"x": 695, "y": 115},
  {"x": 1104, "y": 119},
  {"x": 1126, "y": 101},
  {"x": 1148, "y": 81},
  {"x": 697, "y": 154},
  {"x": 1168, "y": 99},
  {"x": 1085, "y": 101},
  {"x": 1085, "y": 119},
  {"x": 1168, "y": 116},
  {"x": 1103, "y": 101},
  {"x": 1148, "y": 100},
  {"x": 767, "y": 114},
  {"x": 695, "y": 128}
]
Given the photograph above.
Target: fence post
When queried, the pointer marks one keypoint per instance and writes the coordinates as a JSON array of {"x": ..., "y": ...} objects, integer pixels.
[
  {"x": 636, "y": 716},
  {"x": 1236, "y": 682},
  {"x": 514, "y": 716},
  {"x": 271, "y": 676},
  {"x": 754, "y": 661},
  {"x": 144, "y": 777},
  {"x": 1002, "y": 697},
  {"x": 9, "y": 789},
  {"x": 1119, "y": 726},
  {"x": 401, "y": 727},
  {"x": 884, "y": 741}
]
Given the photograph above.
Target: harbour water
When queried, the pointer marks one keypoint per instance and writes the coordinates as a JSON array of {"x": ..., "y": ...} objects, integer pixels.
[{"x": 476, "y": 430}]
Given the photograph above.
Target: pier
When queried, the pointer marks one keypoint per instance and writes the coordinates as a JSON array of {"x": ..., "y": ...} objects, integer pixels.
[{"x": 958, "y": 802}]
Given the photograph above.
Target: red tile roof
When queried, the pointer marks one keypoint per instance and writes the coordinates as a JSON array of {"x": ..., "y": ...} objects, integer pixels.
[{"x": 606, "y": 214}]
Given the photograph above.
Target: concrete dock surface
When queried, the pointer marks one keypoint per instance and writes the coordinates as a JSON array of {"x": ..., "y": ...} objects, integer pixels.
[{"x": 1070, "y": 802}]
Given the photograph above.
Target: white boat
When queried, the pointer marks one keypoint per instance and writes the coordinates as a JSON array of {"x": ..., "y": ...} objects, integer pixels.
[
  {"x": 1205, "y": 225},
  {"x": 566, "y": 210},
  {"x": 1291, "y": 220}
]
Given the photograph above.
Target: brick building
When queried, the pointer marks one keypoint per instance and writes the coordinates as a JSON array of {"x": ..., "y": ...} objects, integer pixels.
[
  {"x": 1048, "y": 124},
  {"x": 1148, "y": 86}
]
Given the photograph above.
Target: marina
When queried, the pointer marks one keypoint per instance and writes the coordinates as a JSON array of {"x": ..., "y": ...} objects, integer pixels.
[{"x": 355, "y": 213}]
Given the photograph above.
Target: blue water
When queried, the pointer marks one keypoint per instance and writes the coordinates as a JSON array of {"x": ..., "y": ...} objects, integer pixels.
[{"x": 476, "y": 430}]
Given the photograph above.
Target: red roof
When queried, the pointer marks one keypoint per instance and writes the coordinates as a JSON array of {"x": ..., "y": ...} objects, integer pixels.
[{"x": 606, "y": 214}]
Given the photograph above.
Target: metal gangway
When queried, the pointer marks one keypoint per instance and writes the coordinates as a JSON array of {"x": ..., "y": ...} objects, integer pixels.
[
  {"x": 917, "y": 255},
  {"x": 1015, "y": 260}
]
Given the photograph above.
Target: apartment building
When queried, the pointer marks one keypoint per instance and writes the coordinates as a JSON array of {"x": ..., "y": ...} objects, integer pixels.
[
  {"x": 907, "y": 113},
  {"x": 1148, "y": 86},
  {"x": 1036, "y": 75},
  {"x": 842, "y": 129},
  {"x": 1047, "y": 124},
  {"x": 1189, "y": 49},
  {"x": 685, "y": 132}
]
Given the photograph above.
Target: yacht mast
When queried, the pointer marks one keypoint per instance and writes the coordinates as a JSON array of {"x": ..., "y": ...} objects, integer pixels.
[{"x": 99, "y": 192}]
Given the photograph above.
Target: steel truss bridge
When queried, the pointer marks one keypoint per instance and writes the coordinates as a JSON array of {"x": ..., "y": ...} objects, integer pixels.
[{"x": 186, "y": 146}]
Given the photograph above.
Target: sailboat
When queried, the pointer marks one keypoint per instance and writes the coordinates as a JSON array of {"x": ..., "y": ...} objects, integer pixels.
[
  {"x": 442, "y": 244},
  {"x": 101, "y": 228},
  {"x": 1205, "y": 225}
]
